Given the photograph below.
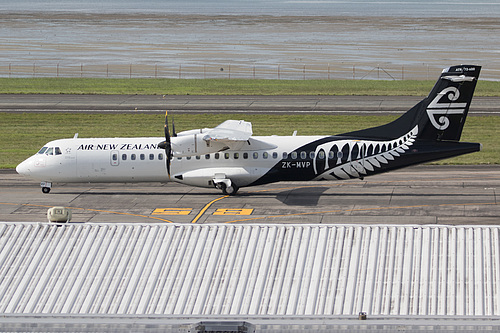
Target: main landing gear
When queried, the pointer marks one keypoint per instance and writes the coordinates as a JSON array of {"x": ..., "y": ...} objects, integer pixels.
[{"x": 227, "y": 186}]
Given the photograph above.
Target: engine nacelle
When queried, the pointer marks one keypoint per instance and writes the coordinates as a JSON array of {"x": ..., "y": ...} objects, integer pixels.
[
  {"x": 231, "y": 134},
  {"x": 194, "y": 144},
  {"x": 206, "y": 177}
]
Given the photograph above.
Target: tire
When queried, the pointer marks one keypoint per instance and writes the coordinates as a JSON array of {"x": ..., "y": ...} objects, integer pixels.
[
  {"x": 231, "y": 190},
  {"x": 46, "y": 190}
]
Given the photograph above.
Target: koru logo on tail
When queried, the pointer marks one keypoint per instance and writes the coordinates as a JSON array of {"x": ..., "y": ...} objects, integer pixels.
[{"x": 439, "y": 108}]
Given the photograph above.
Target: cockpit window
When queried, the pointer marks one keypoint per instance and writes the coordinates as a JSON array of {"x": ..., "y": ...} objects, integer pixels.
[{"x": 50, "y": 151}]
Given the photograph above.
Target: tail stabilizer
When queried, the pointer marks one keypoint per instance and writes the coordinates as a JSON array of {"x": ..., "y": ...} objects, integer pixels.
[{"x": 440, "y": 116}]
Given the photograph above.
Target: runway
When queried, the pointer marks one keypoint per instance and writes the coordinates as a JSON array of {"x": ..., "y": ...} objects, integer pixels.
[
  {"x": 362, "y": 105},
  {"x": 444, "y": 195}
]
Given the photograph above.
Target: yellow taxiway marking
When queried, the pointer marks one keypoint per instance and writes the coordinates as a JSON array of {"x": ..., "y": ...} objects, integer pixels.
[
  {"x": 360, "y": 210},
  {"x": 172, "y": 211},
  {"x": 233, "y": 211},
  {"x": 91, "y": 210},
  {"x": 204, "y": 209}
]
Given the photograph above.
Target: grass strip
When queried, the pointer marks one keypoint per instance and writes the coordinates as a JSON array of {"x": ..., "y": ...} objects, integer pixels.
[
  {"x": 23, "y": 134},
  {"x": 226, "y": 87}
]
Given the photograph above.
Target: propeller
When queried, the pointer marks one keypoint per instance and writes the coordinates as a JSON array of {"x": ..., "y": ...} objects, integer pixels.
[
  {"x": 174, "y": 134},
  {"x": 167, "y": 145}
]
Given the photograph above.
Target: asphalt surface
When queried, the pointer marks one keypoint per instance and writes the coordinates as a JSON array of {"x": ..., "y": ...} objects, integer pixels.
[
  {"x": 226, "y": 104},
  {"x": 418, "y": 195}
]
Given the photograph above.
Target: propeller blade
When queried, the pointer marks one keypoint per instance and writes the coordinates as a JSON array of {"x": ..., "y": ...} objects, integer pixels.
[
  {"x": 167, "y": 145},
  {"x": 168, "y": 152},
  {"x": 174, "y": 134},
  {"x": 167, "y": 132}
]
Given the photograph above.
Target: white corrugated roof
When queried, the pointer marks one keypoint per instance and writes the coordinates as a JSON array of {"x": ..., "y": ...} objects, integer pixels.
[{"x": 171, "y": 269}]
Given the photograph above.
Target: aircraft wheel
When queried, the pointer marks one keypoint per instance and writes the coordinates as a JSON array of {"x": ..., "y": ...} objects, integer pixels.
[
  {"x": 45, "y": 190},
  {"x": 229, "y": 190}
]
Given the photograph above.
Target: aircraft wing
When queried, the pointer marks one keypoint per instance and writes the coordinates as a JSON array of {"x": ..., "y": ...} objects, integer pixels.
[{"x": 230, "y": 131}]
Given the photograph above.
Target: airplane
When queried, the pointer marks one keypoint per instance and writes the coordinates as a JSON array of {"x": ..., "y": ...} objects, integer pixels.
[{"x": 229, "y": 157}]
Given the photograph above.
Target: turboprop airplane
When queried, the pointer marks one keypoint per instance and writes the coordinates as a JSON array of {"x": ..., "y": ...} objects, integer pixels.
[{"x": 228, "y": 157}]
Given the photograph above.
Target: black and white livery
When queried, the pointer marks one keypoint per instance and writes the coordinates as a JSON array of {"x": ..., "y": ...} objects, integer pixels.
[{"x": 229, "y": 157}]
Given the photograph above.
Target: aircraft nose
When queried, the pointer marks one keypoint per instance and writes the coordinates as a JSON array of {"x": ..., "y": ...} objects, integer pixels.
[{"x": 24, "y": 168}]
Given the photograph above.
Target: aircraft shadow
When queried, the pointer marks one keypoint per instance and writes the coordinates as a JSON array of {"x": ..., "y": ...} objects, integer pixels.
[{"x": 308, "y": 196}]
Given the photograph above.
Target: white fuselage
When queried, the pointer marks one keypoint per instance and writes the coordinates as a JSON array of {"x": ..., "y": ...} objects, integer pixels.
[{"x": 140, "y": 160}]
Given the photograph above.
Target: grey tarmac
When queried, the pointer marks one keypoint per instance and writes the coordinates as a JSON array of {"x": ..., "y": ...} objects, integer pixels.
[
  {"x": 444, "y": 195},
  {"x": 362, "y": 105}
]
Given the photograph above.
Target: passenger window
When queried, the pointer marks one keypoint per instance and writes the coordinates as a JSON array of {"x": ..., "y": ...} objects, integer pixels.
[
  {"x": 198, "y": 157},
  {"x": 216, "y": 156},
  {"x": 115, "y": 157},
  {"x": 265, "y": 155},
  {"x": 245, "y": 156},
  {"x": 226, "y": 156},
  {"x": 255, "y": 155},
  {"x": 285, "y": 155},
  {"x": 275, "y": 155},
  {"x": 207, "y": 156},
  {"x": 42, "y": 150},
  {"x": 321, "y": 155},
  {"x": 132, "y": 157},
  {"x": 143, "y": 157},
  {"x": 160, "y": 156},
  {"x": 303, "y": 155},
  {"x": 58, "y": 151},
  {"x": 151, "y": 157},
  {"x": 188, "y": 157},
  {"x": 331, "y": 155},
  {"x": 49, "y": 151},
  {"x": 312, "y": 155},
  {"x": 124, "y": 157},
  {"x": 294, "y": 155},
  {"x": 236, "y": 156}
]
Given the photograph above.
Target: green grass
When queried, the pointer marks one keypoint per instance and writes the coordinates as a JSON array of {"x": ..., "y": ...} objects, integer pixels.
[
  {"x": 27, "y": 133},
  {"x": 225, "y": 87}
]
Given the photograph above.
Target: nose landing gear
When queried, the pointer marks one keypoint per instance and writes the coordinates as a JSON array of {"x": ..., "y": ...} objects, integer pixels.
[{"x": 46, "y": 186}]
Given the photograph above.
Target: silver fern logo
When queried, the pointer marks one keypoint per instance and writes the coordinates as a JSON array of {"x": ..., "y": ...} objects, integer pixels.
[{"x": 345, "y": 159}]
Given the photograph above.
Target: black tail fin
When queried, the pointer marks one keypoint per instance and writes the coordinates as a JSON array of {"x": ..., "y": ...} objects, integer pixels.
[{"x": 440, "y": 116}]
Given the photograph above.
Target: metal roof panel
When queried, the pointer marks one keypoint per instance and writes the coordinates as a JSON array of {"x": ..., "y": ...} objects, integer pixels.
[{"x": 166, "y": 269}]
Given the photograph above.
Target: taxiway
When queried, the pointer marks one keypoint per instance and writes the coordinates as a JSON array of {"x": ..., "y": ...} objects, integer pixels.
[{"x": 418, "y": 195}]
